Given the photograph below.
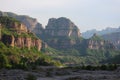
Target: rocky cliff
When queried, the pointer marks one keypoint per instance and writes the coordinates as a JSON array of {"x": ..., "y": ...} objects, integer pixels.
[
  {"x": 97, "y": 42},
  {"x": 21, "y": 42},
  {"x": 114, "y": 38},
  {"x": 96, "y": 45},
  {"x": 61, "y": 33},
  {"x": 62, "y": 27},
  {"x": 14, "y": 33}
]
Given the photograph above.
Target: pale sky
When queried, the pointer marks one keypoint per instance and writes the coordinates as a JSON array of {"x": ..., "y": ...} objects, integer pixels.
[{"x": 86, "y": 14}]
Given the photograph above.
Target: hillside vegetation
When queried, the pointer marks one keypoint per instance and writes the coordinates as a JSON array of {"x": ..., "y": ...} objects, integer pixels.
[
  {"x": 66, "y": 44},
  {"x": 17, "y": 56}
]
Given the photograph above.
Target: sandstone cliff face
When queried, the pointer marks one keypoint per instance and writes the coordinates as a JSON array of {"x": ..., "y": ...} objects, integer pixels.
[
  {"x": 19, "y": 28},
  {"x": 62, "y": 27},
  {"x": 21, "y": 42},
  {"x": 96, "y": 42},
  {"x": 92, "y": 44},
  {"x": 18, "y": 35},
  {"x": 61, "y": 33},
  {"x": 114, "y": 38}
]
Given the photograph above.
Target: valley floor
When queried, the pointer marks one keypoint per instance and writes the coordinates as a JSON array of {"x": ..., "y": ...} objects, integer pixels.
[{"x": 51, "y": 73}]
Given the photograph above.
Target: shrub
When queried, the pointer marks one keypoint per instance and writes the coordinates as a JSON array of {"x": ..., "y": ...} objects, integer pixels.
[
  {"x": 31, "y": 77},
  {"x": 103, "y": 67}
]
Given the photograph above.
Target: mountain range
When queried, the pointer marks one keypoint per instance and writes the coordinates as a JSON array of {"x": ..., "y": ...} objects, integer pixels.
[{"x": 62, "y": 40}]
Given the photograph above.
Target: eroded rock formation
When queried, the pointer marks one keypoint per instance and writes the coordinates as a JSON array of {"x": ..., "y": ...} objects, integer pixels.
[
  {"x": 62, "y": 27},
  {"x": 96, "y": 42},
  {"x": 17, "y": 35},
  {"x": 114, "y": 38}
]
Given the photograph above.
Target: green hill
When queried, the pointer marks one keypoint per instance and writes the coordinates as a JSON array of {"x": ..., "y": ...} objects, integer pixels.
[{"x": 19, "y": 48}]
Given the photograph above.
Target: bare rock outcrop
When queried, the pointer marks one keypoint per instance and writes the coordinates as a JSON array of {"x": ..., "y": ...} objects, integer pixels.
[
  {"x": 62, "y": 27},
  {"x": 96, "y": 42},
  {"x": 16, "y": 34},
  {"x": 114, "y": 38},
  {"x": 22, "y": 42},
  {"x": 61, "y": 33}
]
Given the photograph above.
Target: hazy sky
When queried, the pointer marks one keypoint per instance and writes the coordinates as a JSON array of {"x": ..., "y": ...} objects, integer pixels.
[{"x": 86, "y": 14}]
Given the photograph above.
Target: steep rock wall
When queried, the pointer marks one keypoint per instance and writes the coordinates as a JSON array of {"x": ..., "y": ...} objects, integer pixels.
[
  {"x": 14, "y": 33},
  {"x": 62, "y": 27},
  {"x": 22, "y": 42}
]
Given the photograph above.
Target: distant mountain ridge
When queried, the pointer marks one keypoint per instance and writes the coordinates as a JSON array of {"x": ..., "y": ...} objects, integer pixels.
[{"x": 108, "y": 30}]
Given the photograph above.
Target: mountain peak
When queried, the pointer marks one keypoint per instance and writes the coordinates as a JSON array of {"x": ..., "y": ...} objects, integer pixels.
[{"x": 62, "y": 27}]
